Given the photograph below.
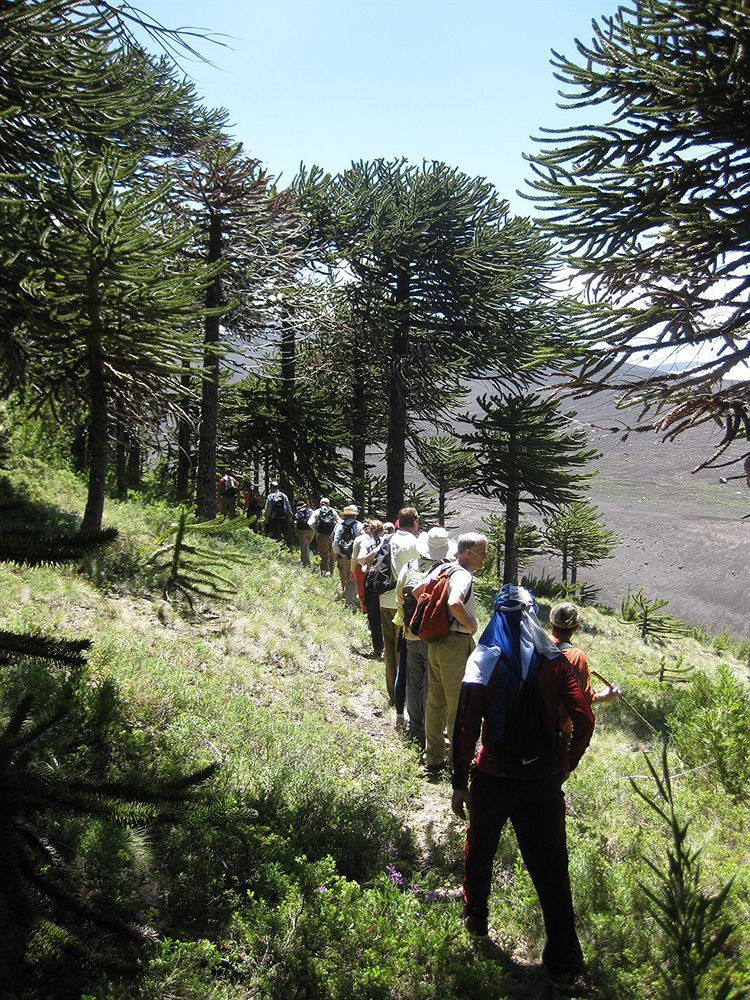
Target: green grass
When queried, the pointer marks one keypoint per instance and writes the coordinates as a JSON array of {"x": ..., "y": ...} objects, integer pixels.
[{"x": 281, "y": 887}]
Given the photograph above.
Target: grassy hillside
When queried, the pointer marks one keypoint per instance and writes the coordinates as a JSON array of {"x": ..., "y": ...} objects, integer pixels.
[{"x": 322, "y": 864}]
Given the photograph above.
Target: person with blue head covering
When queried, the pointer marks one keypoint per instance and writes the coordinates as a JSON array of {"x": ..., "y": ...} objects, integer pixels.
[{"x": 515, "y": 683}]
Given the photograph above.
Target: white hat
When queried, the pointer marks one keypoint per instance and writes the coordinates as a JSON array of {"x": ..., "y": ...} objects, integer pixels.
[
  {"x": 435, "y": 545},
  {"x": 351, "y": 510}
]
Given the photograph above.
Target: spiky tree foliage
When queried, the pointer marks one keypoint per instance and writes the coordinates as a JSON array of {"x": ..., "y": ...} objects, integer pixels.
[
  {"x": 577, "y": 534},
  {"x": 527, "y": 452},
  {"x": 528, "y": 541},
  {"x": 448, "y": 282},
  {"x": 261, "y": 419},
  {"x": 675, "y": 671},
  {"x": 637, "y": 609},
  {"x": 693, "y": 921},
  {"x": 40, "y": 808},
  {"x": 446, "y": 465},
  {"x": 247, "y": 233},
  {"x": 648, "y": 203},
  {"x": 188, "y": 569},
  {"x": 74, "y": 79},
  {"x": 108, "y": 301}
]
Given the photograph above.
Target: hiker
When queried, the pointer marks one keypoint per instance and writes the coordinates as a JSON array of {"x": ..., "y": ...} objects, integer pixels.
[
  {"x": 515, "y": 684},
  {"x": 227, "y": 491},
  {"x": 388, "y": 527},
  {"x": 324, "y": 520},
  {"x": 433, "y": 549},
  {"x": 564, "y": 621},
  {"x": 370, "y": 596},
  {"x": 402, "y": 545},
  {"x": 277, "y": 513},
  {"x": 447, "y": 656},
  {"x": 362, "y": 545},
  {"x": 343, "y": 544},
  {"x": 252, "y": 503},
  {"x": 303, "y": 532}
]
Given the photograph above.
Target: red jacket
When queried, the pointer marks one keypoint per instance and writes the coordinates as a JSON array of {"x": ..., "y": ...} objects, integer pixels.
[{"x": 558, "y": 687}]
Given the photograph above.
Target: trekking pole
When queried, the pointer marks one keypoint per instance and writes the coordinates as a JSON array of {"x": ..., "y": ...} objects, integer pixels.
[{"x": 625, "y": 701}]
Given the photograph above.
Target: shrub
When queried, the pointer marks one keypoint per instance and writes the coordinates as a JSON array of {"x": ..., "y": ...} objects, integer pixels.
[{"x": 711, "y": 725}]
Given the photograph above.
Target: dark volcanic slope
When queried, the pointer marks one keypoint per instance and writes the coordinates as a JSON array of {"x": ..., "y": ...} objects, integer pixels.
[{"x": 682, "y": 535}]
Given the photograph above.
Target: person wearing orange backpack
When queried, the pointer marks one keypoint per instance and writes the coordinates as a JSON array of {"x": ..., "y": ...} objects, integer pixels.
[{"x": 447, "y": 655}]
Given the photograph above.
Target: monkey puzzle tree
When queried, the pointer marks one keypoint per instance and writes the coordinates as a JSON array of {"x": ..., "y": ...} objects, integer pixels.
[
  {"x": 245, "y": 232},
  {"x": 528, "y": 541},
  {"x": 651, "y": 204},
  {"x": 446, "y": 465},
  {"x": 454, "y": 285},
  {"x": 526, "y": 452},
  {"x": 107, "y": 302},
  {"x": 577, "y": 534}
]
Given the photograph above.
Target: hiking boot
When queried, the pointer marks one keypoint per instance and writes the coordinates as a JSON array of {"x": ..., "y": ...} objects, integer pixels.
[
  {"x": 434, "y": 772},
  {"x": 400, "y": 725},
  {"x": 476, "y": 926}
]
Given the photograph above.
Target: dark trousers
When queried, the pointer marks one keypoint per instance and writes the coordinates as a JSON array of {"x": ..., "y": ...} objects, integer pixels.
[
  {"x": 276, "y": 528},
  {"x": 372, "y": 607},
  {"x": 537, "y": 811},
  {"x": 399, "y": 685}
]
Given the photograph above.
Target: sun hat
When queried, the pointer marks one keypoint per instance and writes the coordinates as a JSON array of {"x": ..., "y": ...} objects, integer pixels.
[
  {"x": 565, "y": 616},
  {"x": 435, "y": 545},
  {"x": 351, "y": 510}
]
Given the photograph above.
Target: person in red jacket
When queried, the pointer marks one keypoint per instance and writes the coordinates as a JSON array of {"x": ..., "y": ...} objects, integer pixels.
[{"x": 514, "y": 650}]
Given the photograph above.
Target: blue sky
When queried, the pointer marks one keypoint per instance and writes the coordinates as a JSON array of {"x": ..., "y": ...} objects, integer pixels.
[{"x": 331, "y": 81}]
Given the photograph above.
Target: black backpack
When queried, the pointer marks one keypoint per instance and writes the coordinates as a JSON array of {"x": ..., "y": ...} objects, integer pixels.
[
  {"x": 301, "y": 519},
  {"x": 229, "y": 488},
  {"x": 325, "y": 522},
  {"x": 278, "y": 507},
  {"x": 379, "y": 578},
  {"x": 346, "y": 540},
  {"x": 527, "y": 748}
]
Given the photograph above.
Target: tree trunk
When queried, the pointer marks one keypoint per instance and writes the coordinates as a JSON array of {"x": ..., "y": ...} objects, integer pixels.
[
  {"x": 286, "y": 432},
  {"x": 395, "y": 452},
  {"x": 359, "y": 447},
  {"x": 206, "y": 484},
  {"x": 510, "y": 565},
  {"x": 133, "y": 471},
  {"x": 441, "y": 502},
  {"x": 98, "y": 412},
  {"x": 184, "y": 437},
  {"x": 121, "y": 460},
  {"x": 79, "y": 448},
  {"x": 565, "y": 563},
  {"x": 573, "y": 571}
]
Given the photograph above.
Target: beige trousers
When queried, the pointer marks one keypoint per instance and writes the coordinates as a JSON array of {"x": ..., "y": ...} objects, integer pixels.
[{"x": 447, "y": 661}]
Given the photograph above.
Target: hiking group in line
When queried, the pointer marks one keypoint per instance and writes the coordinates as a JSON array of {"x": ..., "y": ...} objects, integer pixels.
[{"x": 523, "y": 695}]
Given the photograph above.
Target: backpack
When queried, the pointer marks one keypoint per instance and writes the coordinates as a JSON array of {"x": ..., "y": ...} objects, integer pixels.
[
  {"x": 278, "y": 507},
  {"x": 431, "y": 619},
  {"x": 527, "y": 746},
  {"x": 379, "y": 577},
  {"x": 346, "y": 541},
  {"x": 408, "y": 601},
  {"x": 301, "y": 519},
  {"x": 325, "y": 522},
  {"x": 229, "y": 487}
]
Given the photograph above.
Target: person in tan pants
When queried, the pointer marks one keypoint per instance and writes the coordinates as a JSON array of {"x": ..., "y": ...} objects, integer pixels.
[{"x": 447, "y": 656}]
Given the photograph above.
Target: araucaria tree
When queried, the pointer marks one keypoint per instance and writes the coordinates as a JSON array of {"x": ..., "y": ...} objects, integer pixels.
[
  {"x": 651, "y": 205},
  {"x": 446, "y": 465},
  {"x": 107, "y": 302},
  {"x": 527, "y": 452},
  {"x": 577, "y": 534},
  {"x": 448, "y": 284}
]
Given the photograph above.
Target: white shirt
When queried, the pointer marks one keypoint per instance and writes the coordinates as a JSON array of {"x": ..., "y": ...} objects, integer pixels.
[{"x": 403, "y": 550}]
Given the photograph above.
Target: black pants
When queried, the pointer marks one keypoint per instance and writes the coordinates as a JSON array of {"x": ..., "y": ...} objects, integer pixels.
[
  {"x": 399, "y": 687},
  {"x": 372, "y": 606},
  {"x": 537, "y": 811},
  {"x": 276, "y": 528}
]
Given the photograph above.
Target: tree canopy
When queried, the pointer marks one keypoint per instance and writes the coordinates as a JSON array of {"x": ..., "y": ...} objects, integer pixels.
[{"x": 651, "y": 204}]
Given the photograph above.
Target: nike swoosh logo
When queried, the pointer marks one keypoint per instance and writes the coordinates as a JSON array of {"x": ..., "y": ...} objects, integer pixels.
[{"x": 531, "y": 759}]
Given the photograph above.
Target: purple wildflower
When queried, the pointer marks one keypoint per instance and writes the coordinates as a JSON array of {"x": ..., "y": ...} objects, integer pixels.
[
  {"x": 394, "y": 876},
  {"x": 322, "y": 888}
]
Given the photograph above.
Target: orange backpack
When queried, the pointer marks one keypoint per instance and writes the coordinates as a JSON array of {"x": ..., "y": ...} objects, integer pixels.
[{"x": 431, "y": 620}]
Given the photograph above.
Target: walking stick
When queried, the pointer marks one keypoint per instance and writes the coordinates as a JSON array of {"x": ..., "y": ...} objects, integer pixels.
[{"x": 625, "y": 701}]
